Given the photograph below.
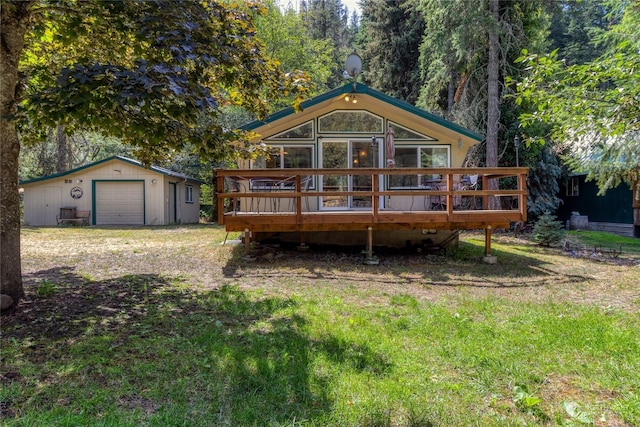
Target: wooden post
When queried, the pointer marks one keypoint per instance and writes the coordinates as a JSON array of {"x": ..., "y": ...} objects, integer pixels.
[
  {"x": 220, "y": 204},
  {"x": 522, "y": 202},
  {"x": 485, "y": 187},
  {"x": 370, "y": 259},
  {"x": 488, "y": 258},
  {"x": 374, "y": 199},
  {"x": 247, "y": 241},
  {"x": 449, "y": 197},
  {"x": 487, "y": 241},
  {"x": 298, "y": 200}
]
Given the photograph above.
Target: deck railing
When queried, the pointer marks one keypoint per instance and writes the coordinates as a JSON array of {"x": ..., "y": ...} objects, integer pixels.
[{"x": 384, "y": 195}]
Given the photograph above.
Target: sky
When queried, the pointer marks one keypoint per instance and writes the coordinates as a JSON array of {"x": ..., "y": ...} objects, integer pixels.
[{"x": 350, "y": 4}]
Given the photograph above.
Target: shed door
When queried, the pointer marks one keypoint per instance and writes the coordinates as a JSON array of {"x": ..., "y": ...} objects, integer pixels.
[{"x": 119, "y": 202}]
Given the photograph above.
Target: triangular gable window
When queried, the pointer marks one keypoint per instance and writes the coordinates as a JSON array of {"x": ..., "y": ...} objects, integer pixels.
[
  {"x": 304, "y": 131},
  {"x": 351, "y": 122},
  {"x": 401, "y": 132}
]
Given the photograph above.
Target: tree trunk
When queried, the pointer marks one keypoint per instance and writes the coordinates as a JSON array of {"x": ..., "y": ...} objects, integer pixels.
[
  {"x": 63, "y": 150},
  {"x": 451, "y": 91},
  {"x": 14, "y": 24},
  {"x": 493, "y": 95}
]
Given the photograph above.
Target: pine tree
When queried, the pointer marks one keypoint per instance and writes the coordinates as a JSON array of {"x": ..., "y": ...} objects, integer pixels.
[
  {"x": 390, "y": 42},
  {"x": 543, "y": 184},
  {"x": 329, "y": 20},
  {"x": 548, "y": 230}
]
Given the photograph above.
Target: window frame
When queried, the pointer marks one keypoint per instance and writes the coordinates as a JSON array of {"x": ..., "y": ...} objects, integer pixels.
[
  {"x": 418, "y": 152},
  {"x": 322, "y": 131},
  {"x": 572, "y": 187},
  {"x": 188, "y": 195},
  {"x": 282, "y": 153}
]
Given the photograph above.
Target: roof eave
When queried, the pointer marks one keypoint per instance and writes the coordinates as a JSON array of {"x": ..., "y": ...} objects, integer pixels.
[{"x": 363, "y": 89}]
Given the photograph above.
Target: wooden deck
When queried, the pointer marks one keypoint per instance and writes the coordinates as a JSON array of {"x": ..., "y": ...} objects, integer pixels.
[{"x": 264, "y": 211}]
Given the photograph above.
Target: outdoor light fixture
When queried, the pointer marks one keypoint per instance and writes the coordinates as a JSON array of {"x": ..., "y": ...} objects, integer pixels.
[
  {"x": 79, "y": 181},
  {"x": 516, "y": 143},
  {"x": 347, "y": 98},
  {"x": 351, "y": 97},
  {"x": 153, "y": 181}
]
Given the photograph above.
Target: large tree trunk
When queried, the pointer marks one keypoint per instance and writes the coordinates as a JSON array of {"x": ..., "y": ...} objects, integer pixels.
[
  {"x": 493, "y": 95},
  {"x": 15, "y": 19}
]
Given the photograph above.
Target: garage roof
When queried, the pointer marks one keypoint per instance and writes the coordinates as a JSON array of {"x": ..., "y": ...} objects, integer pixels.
[{"x": 157, "y": 169}]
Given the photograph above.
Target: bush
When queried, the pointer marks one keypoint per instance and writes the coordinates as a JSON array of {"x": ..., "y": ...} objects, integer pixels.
[{"x": 548, "y": 230}]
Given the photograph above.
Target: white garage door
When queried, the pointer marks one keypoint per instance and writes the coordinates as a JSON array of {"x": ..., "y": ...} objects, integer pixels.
[{"x": 119, "y": 202}]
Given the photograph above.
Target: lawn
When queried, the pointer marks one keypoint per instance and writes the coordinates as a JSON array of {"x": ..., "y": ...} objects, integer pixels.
[{"x": 166, "y": 326}]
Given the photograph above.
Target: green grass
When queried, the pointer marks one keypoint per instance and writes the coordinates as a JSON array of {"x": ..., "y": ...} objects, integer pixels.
[
  {"x": 603, "y": 239},
  {"x": 306, "y": 343}
]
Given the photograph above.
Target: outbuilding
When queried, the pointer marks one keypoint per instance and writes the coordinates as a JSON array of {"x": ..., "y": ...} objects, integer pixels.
[{"x": 113, "y": 191}]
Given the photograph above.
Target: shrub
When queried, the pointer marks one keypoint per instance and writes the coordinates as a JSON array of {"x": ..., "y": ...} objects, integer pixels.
[{"x": 548, "y": 230}]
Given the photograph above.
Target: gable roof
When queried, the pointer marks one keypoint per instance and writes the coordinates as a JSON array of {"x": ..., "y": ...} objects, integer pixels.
[
  {"x": 360, "y": 88},
  {"x": 133, "y": 162}
]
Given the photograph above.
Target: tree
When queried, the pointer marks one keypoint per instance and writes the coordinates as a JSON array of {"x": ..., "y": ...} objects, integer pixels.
[
  {"x": 548, "y": 230},
  {"x": 288, "y": 41},
  {"x": 159, "y": 91},
  {"x": 390, "y": 40},
  {"x": 574, "y": 28},
  {"x": 454, "y": 54},
  {"x": 41, "y": 159},
  {"x": 593, "y": 108},
  {"x": 329, "y": 20}
]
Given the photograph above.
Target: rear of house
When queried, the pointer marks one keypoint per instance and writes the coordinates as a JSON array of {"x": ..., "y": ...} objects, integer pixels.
[
  {"x": 113, "y": 191},
  {"x": 356, "y": 166}
]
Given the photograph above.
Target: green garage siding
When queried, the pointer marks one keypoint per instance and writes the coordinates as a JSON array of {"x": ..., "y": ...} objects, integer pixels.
[{"x": 615, "y": 206}]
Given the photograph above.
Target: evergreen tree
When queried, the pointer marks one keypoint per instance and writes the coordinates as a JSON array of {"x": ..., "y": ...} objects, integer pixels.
[
  {"x": 574, "y": 28},
  {"x": 390, "y": 41},
  {"x": 328, "y": 20},
  {"x": 548, "y": 231},
  {"x": 543, "y": 183}
]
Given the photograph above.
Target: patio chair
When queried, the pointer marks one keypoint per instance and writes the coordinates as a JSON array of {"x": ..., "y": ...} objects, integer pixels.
[{"x": 235, "y": 186}]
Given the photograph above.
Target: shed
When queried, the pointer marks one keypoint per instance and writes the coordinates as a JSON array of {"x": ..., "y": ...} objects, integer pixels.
[
  {"x": 612, "y": 212},
  {"x": 113, "y": 191}
]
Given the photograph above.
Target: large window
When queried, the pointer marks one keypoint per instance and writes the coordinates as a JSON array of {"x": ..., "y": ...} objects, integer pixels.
[
  {"x": 423, "y": 157},
  {"x": 304, "y": 131},
  {"x": 286, "y": 156},
  {"x": 350, "y": 122}
]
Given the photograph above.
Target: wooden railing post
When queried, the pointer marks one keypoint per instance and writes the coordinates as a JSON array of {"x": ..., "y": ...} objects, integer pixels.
[
  {"x": 298, "y": 199},
  {"x": 375, "y": 202},
  {"x": 449, "y": 193},
  {"x": 485, "y": 187},
  {"x": 522, "y": 202},
  {"x": 220, "y": 190}
]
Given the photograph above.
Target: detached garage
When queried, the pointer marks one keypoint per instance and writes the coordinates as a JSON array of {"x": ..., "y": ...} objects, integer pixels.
[{"x": 113, "y": 191}]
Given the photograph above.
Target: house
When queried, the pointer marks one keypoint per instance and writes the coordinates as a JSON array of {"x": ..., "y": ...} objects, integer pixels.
[
  {"x": 583, "y": 208},
  {"x": 113, "y": 191},
  {"x": 356, "y": 166}
]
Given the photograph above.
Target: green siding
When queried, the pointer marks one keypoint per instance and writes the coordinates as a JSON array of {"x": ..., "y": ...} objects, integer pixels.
[{"x": 615, "y": 206}]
